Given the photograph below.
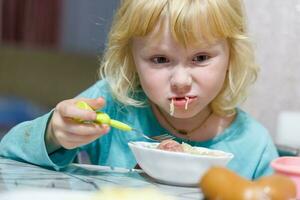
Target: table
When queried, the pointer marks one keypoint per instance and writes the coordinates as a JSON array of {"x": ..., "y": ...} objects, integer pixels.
[{"x": 79, "y": 177}]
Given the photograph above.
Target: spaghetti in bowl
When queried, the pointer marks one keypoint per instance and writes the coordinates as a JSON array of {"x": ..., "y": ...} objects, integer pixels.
[{"x": 177, "y": 168}]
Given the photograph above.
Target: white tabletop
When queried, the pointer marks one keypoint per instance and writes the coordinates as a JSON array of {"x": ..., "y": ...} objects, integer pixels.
[{"x": 76, "y": 178}]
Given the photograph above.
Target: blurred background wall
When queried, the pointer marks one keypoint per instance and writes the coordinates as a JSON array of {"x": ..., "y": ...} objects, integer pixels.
[
  {"x": 50, "y": 51},
  {"x": 275, "y": 28}
]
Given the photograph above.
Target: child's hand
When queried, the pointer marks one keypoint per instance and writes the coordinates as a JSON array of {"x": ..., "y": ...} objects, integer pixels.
[{"x": 65, "y": 131}]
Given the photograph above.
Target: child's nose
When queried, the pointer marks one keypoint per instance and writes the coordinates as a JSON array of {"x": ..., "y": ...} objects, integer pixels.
[{"x": 181, "y": 80}]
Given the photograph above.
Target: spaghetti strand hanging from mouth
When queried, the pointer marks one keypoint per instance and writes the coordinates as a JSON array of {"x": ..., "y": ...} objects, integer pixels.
[
  {"x": 172, "y": 107},
  {"x": 186, "y": 103}
]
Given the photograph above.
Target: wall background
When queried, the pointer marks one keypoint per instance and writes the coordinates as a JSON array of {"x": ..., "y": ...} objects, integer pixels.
[
  {"x": 275, "y": 28},
  {"x": 85, "y": 24}
]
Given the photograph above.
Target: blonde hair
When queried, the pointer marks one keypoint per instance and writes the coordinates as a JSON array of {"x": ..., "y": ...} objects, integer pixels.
[{"x": 217, "y": 19}]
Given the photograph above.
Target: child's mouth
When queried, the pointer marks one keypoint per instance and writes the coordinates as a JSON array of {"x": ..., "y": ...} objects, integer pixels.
[{"x": 183, "y": 101}]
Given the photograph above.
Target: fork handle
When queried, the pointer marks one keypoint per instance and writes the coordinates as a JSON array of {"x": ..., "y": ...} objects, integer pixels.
[
  {"x": 103, "y": 118},
  {"x": 120, "y": 125}
]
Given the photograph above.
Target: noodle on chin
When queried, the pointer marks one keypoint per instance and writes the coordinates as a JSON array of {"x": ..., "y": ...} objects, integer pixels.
[
  {"x": 186, "y": 103},
  {"x": 172, "y": 107}
]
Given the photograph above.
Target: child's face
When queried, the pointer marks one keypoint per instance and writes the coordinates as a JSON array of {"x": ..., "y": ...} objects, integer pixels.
[{"x": 169, "y": 71}]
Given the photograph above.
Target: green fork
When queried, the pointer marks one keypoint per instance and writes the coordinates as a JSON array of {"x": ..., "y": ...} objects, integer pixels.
[{"x": 104, "y": 118}]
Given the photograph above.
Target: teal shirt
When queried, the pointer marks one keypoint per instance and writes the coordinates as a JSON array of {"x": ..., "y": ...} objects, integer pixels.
[{"x": 247, "y": 139}]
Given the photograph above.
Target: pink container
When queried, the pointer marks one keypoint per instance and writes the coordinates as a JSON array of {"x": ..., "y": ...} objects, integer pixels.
[{"x": 288, "y": 166}]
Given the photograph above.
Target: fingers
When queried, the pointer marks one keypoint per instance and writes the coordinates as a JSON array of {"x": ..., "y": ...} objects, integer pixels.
[
  {"x": 69, "y": 109},
  {"x": 95, "y": 103},
  {"x": 72, "y": 140},
  {"x": 68, "y": 132},
  {"x": 71, "y": 135},
  {"x": 84, "y": 128}
]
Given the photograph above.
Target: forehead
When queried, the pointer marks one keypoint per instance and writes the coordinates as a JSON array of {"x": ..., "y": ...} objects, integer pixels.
[{"x": 162, "y": 37}]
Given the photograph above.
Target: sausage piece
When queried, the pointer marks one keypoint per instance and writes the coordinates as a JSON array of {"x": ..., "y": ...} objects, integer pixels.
[{"x": 170, "y": 145}]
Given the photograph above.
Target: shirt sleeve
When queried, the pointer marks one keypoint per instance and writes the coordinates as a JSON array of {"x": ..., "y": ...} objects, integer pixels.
[
  {"x": 25, "y": 142},
  {"x": 263, "y": 168}
]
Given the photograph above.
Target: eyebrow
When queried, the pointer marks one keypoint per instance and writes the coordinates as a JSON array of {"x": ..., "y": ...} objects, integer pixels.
[
  {"x": 192, "y": 48},
  {"x": 154, "y": 48}
]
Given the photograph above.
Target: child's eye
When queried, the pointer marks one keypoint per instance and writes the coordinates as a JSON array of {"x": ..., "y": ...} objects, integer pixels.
[
  {"x": 160, "y": 60},
  {"x": 201, "y": 58}
]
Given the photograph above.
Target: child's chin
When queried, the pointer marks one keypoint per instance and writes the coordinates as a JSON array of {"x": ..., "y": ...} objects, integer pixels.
[{"x": 183, "y": 114}]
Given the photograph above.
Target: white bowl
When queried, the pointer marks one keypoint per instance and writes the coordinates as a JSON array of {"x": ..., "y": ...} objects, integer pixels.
[{"x": 176, "y": 168}]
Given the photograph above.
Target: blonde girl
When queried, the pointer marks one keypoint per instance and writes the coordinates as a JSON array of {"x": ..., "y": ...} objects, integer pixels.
[{"x": 170, "y": 66}]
